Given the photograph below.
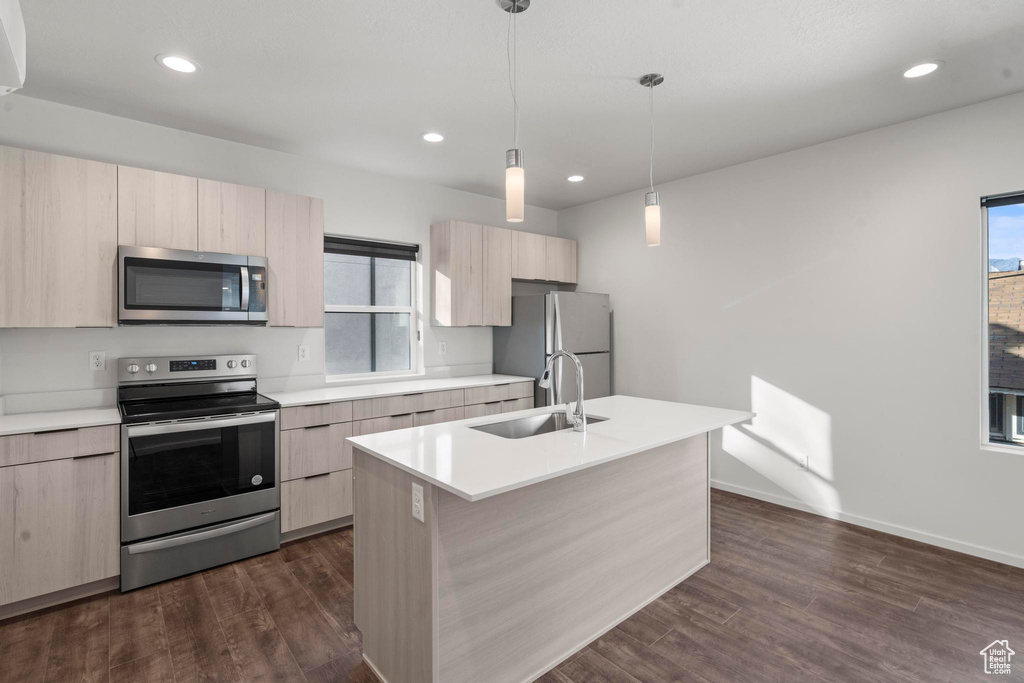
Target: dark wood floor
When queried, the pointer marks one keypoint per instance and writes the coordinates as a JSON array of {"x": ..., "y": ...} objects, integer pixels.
[{"x": 788, "y": 597}]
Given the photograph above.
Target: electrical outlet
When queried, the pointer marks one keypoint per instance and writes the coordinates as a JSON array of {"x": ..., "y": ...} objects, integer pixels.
[
  {"x": 304, "y": 353},
  {"x": 97, "y": 360},
  {"x": 801, "y": 461},
  {"x": 417, "y": 502},
  {"x": 442, "y": 347}
]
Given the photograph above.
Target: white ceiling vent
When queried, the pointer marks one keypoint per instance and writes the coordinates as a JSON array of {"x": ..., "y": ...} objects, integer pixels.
[{"x": 12, "y": 47}]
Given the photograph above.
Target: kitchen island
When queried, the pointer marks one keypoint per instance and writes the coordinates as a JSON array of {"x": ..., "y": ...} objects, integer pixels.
[{"x": 528, "y": 548}]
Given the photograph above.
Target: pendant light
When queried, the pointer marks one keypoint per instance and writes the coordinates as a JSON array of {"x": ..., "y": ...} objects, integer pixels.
[
  {"x": 652, "y": 207},
  {"x": 515, "y": 177}
]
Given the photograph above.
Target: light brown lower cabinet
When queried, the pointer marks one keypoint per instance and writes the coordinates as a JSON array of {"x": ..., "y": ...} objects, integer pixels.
[
  {"x": 512, "y": 405},
  {"x": 433, "y": 417},
  {"x": 60, "y": 525},
  {"x": 315, "y": 450},
  {"x": 484, "y": 409},
  {"x": 315, "y": 500},
  {"x": 382, "y": 424}
]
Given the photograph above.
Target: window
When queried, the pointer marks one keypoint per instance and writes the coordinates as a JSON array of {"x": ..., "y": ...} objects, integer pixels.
[
  {"x": 369, "y": 308},
  {"x": 1003, "y": 220}
]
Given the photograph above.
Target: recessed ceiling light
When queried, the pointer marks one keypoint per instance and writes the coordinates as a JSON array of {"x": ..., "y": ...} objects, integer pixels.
[
  {"x": 177, "y": 63},
  {"x": 922, "y": 69},
  {"x": 575, "y": 179},
  {"x": 433, "y": 137}
]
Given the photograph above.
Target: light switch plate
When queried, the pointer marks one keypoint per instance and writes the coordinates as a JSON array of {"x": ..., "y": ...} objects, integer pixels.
[
  {"x": 304, "y": 353},
  {"x": 97, "y": 360},
  {"x": 442, "y": 347}
]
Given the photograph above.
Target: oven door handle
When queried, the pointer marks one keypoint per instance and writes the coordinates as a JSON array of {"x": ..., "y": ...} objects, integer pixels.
[
  {"x": 164, "y": 543},
  {"x": 216, "y": 423}
]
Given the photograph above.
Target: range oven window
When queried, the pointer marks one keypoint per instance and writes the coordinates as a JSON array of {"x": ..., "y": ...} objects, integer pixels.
[
  {"x": 152, "y": 284},
  {"x": 177, "y": 468}
]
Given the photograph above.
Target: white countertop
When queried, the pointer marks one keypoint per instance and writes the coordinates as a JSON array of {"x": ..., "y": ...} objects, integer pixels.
[
  {"x": 25, "y": 423},
  {"x": 475, "y": 465},
  {"x": 353, "y": 392}
]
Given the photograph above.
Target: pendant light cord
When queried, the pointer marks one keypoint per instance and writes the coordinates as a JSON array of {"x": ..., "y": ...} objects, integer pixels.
[
  {"x": 510, "y": 55},
  {"x": 651, "y": 88}
]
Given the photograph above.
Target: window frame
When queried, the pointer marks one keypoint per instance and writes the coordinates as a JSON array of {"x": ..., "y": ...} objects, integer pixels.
[
  {"x": 1012, "y": 437},
  {"x": 415, "y": 336}
]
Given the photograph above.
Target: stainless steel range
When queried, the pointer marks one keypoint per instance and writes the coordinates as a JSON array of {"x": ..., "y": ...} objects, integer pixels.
[{"x": 200, "y": 466}]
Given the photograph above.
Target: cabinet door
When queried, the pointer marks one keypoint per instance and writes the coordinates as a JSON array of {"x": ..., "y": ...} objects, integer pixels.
[
  {"x": 528, "y": 256},
  {"x": 157, "y": 209},
  {"x": 456, "y": 254},
  {"x": 497, "y": 276},
  {"x": 482, "y": 409},
  {"x": 232, "y": 218},
  {"x": 58, "y": 240},
  {"x": 315, "y": 500},
  {"x": 59, "y": 525},
  {"x": 295, "y": 253},
  {"x": 560, "y": 259}
]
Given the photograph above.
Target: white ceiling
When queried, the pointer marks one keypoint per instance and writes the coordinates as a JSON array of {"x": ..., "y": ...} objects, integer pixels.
[{"x": 357, "y": 82}]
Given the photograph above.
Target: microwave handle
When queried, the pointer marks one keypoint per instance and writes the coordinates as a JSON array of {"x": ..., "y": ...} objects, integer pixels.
[
  {"x": 152, "y": 430},
  {"x": 244, "y": 270}
]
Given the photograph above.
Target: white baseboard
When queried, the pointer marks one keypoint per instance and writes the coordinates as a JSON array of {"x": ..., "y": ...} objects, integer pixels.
[{"x": 894, "y": 529}]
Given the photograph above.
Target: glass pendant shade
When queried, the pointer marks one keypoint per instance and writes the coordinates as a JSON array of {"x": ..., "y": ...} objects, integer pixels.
[
  {"x": 515, "y": 187},
  {"x": 652, "y": 214}
]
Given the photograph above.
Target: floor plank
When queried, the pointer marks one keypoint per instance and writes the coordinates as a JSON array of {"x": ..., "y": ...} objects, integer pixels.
[
  {"x": 331, "y": 593},
  {"x": 136, "y": 625},
  {"x": 591, "y": 667},
  {"x": 79, "y": 647},
  {"x": 639, "y": 661},
  {"x": 336, "y": 548},
  {"x": 199, "y": 649},
  {"x": 231, "y": 590},
  {"x": 153, "y": 668},
  {"x": 310, "y": 636},
  {"x": 24, "y": 645},
  {"x": 258, "y": 648}
]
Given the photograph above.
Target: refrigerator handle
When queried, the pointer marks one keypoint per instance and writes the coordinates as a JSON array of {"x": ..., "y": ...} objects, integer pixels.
[{"x": 557, "y": 384}]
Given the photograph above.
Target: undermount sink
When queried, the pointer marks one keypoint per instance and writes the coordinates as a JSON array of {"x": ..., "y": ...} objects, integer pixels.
[{"x": 531, "y": 425}]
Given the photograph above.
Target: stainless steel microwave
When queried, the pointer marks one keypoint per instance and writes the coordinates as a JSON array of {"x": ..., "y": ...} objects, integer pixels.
[{"x": 176, "y": 287}]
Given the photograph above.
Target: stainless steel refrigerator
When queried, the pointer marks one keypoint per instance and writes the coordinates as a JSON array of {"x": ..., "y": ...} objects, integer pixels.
[{"x": 541, "y": 323}]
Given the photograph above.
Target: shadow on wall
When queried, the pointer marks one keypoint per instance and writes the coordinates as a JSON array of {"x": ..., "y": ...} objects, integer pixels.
[{"x": 786, "y": 433}]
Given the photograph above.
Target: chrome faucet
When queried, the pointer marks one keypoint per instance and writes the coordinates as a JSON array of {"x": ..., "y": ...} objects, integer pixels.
[{"x": 577, "y": 418}]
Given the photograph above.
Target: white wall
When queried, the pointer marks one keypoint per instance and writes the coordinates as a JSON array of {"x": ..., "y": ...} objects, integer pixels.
[
  {"x": 356, "y": 203},
  {"x": 837, "y": 291}
]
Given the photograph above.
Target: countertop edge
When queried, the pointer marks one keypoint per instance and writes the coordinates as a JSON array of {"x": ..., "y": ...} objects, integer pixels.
[
  {"x": 384, "y": 390},
  {"x": 474, "y": 497}
]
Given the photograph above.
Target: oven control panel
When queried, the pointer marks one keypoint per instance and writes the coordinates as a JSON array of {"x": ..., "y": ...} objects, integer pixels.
[
  {"x": 193, "y": 365},
  {"x": 178, "y": 369}
]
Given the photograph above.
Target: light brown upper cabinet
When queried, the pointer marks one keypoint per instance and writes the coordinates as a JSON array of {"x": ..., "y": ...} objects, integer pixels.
[
  {"x": 157, "y": 209},
  {"x": 58, "y": 240},
  {"x": 456, "y": 283},
  {"x": 560, "y": 260},
  {"x": 232, "y": 218},
  {"x": 497, "y": 276},
  {"x": 529, "y": 260},
  {"x": 295, "y": 249}
]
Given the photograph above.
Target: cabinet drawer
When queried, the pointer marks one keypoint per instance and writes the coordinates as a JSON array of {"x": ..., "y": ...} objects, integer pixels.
[
  {"x": 498, "y": 392},
  {"x": 19, "y": 449},
  {"x": 515, "y": 404},
  {"x": 314, "y": 500},
  {"x": 406, "y": 403},
  {"x": 59, "y": 525},
  {"x": 382, "y": 424},
  {"x": 433, "y": 417},
  {"x": 482, "y": 409},
  {"x": 315, "y": 450},
  {"x": 320, "y": 414}
]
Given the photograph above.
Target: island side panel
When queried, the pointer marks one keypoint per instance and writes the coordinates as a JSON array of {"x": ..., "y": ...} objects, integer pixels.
[
  {"x": 528, "y": 577},
  {"x": 395, "y": 571}
]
